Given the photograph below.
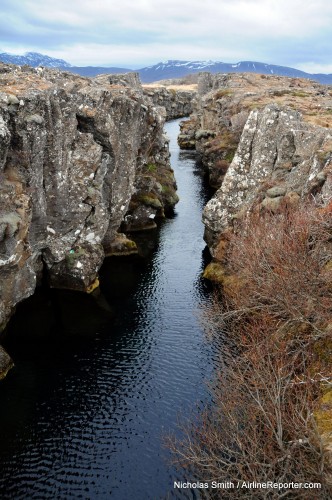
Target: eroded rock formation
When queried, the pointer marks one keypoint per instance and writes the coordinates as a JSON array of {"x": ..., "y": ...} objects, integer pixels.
[
  {"x": 280, "y": 158},
  {"x": 224, "y": 103},
  {"x": 79, "y": 158},
  {"x": 177, "y": 100},
  {"x": 283, "y": 159}
]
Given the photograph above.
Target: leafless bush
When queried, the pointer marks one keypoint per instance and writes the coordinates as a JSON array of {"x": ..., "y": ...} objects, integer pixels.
[
  {"x": 278, "y": 261},
  {"x": 260, "y": 428},
  {"x": 276, "y": 303}
]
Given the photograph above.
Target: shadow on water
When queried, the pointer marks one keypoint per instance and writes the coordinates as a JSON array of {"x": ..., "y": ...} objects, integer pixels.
[{"x": 100, "y": 379}]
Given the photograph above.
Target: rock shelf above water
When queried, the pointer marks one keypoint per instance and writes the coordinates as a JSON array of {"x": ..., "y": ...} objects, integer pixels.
[{"x": 79, "y": 158}]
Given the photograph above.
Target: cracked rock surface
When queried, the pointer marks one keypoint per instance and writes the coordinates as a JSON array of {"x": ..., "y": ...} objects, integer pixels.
[
  {"x": 279, "y": 157},
  {"x": 74, "y": 153},
  {"x": 176, "y": 101},
  {"x": 224, "y": 102}
]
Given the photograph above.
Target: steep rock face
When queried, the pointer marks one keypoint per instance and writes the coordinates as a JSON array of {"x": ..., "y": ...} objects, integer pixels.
[
  {"x": 224, "y": 103},
  {"x": 281, "y": 161},
  {"x": 73, "y": 153},
  {"x": 177, "y": 102},
  {"x": 279, "y": 158},
  {"x": 215, "y": 126}
]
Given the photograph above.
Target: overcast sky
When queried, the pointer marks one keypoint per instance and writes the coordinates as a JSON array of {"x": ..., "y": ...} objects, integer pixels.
[{"x": 136, "y": 33}]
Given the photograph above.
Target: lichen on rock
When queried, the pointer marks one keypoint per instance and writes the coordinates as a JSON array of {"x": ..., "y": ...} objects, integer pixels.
[
  {"x": 73, "y": 155},
  {"x": 224, "y": 102},
  {"x": 272, "y": 138}
]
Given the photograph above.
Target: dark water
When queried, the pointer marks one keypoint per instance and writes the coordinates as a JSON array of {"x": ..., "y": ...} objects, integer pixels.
[{"x": 100, "y": 381}]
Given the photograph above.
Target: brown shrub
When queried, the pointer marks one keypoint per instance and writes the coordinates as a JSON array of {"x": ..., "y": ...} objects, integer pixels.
[
  {"x": 280, "y": 260},
  {"x": 221, "y": 166},
  {"x": 260, "y": 426}
]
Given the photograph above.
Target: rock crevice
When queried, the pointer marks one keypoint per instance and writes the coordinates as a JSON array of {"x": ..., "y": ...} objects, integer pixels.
[
  {"x": 279, "y": 158},
  {"x": 224, "y": 103},
  {"x": 75, "y": 154}
]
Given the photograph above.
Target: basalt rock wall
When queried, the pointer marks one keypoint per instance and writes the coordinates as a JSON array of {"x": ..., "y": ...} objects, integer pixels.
[
  {"x": 283, "y": 160},
  {"x": 177, "y": 103},
  {"x": 280, "y": 159},
  {"x": 224, "y": 103},
  {"x": 79, "y": 158}
]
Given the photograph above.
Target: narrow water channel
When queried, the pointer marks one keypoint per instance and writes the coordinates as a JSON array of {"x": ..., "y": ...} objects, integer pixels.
[{"x": 98, "y": 383}]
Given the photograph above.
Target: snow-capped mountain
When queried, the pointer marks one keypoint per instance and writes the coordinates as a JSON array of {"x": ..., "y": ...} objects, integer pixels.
[
  {"x": 177, "y": 69},
  {"x": 34, "y": 59},
  {"x": 166, "y": 69}
]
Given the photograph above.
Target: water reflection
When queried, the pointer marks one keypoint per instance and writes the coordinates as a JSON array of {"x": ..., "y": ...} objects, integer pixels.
[{"x": 100, "y": 380}]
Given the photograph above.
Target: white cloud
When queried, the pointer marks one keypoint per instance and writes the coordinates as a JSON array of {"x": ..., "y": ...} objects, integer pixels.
[
  {"x": 262, "y": 17},
  {"x": 141, "y": 31},
  {"x": 312, "y": 67},
  {"x": 138, "y": 56}
]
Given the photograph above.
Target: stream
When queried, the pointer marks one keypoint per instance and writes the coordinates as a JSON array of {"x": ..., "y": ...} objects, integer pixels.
[{"x": 99, "y": 382}]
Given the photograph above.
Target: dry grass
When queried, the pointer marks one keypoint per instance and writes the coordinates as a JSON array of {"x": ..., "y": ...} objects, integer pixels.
[
  {"x": 266, "y": 326},
  {"x": 313, "y": 100},
  {"x": 180, "y": 87}
]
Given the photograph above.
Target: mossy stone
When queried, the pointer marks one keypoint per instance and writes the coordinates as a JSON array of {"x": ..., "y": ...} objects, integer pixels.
[
  {"x": 93, "y": 286},
  {"x": 215, "y": 272}
]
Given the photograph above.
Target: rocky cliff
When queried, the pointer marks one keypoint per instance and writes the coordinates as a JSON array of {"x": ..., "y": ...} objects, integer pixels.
[
  {"x": 5, "y": 363},
  {"x": 177, "y": 100},
  {"x": 224, "y": 103},
  {"x": 274, "y": 148},
  {"x": 79, "y": 158},
  {"x": 280, "y": 159}
]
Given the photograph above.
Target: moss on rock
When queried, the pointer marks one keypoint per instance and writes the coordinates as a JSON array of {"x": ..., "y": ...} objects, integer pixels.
[
  {"x": 120, "y": 246},
  {"x": 215, "y": 272},
  {"x": 150, "y": 200},
  {"x": 93, "y": 286}
]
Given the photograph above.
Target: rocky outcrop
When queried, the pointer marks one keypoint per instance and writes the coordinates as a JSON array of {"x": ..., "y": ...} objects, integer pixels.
[
  {"x": 224, "y": 103},
  {"x": 6, "y": 363},
  {"x": 176, "y": 101},
  {"x": 283, "y": 159},
  {"x": 280, "y": 159},
  {"x": 77, "y": 157}
]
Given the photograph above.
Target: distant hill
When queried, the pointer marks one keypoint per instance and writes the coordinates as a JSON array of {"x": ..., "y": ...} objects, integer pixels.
[
  {"x": 34, "y": 59},
  {"x": 95, "y": 70},
  {"x": 167, "y": 69},
  {"x": 177, "y": 69}
]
